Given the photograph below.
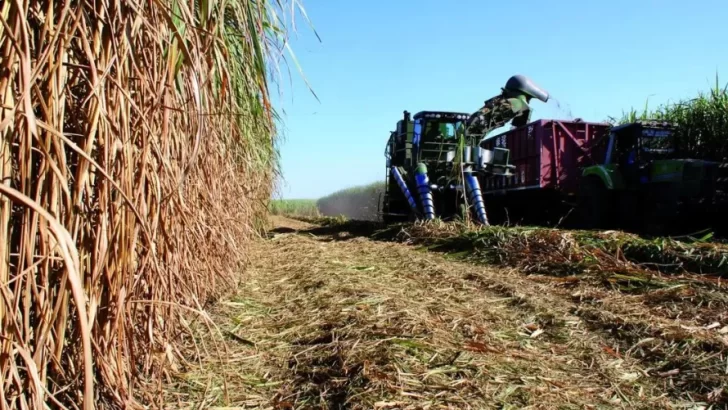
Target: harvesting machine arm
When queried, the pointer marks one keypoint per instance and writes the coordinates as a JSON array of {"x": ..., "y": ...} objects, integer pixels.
[{"x": 510, "y": 105}]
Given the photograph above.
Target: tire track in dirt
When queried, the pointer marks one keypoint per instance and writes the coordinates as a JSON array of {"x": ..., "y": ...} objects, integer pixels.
[{"x": 343, "y": 322}]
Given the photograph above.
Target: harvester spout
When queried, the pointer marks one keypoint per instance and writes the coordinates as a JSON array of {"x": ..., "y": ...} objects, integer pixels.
[
  {"x": 522, "y": 85},
  {"x": 511, "y": 105}
]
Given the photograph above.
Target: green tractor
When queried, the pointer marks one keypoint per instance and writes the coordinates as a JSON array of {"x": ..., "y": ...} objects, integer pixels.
[{"x": 644, "y": 183}]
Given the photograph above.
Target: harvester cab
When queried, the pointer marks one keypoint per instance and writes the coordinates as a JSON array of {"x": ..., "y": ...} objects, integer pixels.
[{"x": 434, "y": 160}]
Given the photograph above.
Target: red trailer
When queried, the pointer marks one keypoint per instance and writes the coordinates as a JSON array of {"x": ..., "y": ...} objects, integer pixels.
[{"x": 548, "y": 156}]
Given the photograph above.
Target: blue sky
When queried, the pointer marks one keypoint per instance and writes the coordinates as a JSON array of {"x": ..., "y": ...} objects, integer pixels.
[{"x": 380, "y": 57}]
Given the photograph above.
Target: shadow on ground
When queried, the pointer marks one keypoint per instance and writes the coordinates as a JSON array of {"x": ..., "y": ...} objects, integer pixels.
[{"x": 343, "y": 231}]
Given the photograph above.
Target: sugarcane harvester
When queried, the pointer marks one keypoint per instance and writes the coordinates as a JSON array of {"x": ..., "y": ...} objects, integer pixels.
[{"x": 435, "y": 163}]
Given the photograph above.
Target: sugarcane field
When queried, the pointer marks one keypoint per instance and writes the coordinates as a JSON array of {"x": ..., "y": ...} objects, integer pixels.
[{"x": 289, "y": 205}]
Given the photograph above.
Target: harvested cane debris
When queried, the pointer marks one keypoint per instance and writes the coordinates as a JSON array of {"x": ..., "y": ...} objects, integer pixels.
[{"x": 338, "y": 320}]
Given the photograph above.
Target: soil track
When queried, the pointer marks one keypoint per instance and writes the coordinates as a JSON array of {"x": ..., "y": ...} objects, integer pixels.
[{"x": 328, "y": 319}]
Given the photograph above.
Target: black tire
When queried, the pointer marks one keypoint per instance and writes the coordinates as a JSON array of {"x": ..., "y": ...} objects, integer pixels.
[
  {"x": 594, "y": 205},
  {"x": 628, "y": 211}
]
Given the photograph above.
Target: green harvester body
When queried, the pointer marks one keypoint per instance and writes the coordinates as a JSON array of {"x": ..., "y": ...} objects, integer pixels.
[{"x": 435, "y": 163}]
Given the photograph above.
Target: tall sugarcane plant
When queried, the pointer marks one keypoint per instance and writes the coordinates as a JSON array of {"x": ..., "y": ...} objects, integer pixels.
[
  {"x": 137, "y": 151},
  {"x": 702, "y": 122}
]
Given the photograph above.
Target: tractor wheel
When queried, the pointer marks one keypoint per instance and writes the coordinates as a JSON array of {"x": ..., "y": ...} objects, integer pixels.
[
  {"x": 660, "y": 219},
  {"x": 660, "y": 209},
  {"x": 594, "y": 205}
]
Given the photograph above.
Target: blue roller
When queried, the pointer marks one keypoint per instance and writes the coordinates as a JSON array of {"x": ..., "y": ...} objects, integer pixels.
[
  {"x": 423, "y": 188},
  {"x": 476, "y": 197},
  {"x": 403, "y": 186}
]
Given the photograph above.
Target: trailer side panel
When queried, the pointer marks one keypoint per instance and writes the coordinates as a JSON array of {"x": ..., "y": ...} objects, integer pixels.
[{"x": 548, "y": 154}]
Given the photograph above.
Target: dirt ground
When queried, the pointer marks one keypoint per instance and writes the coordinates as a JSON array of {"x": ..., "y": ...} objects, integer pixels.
[{"x": 332, "y": 320}]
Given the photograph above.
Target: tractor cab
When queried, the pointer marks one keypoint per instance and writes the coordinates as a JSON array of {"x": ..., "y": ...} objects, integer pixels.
[
  {"x": 642, "y": 141},
  {"x": 642, "y": 150},
  {"x": 646, "y": 152}
]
